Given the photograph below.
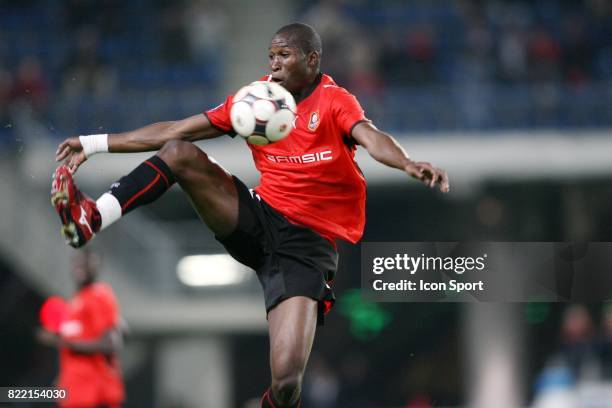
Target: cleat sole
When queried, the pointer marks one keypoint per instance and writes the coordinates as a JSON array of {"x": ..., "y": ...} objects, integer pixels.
[
  {"x": 69, "y": 234},
  {"x": 60, "y": 197},
  {"x": 69, "y": 202}
]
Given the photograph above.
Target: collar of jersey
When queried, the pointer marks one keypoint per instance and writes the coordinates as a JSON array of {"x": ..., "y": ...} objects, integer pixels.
[{"x": 311, "y": 87}]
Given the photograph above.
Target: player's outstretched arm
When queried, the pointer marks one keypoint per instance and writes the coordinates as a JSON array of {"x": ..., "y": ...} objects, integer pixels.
[
  {"x": 110, "y": 342},
  {"x": 75, "y": 150},
  {"x": 385, "y": 149}
]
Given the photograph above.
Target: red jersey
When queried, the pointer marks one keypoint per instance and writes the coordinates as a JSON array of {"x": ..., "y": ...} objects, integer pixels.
[
  {"x": 90, "y": 379},
  {"x": 311, "y": 176}
]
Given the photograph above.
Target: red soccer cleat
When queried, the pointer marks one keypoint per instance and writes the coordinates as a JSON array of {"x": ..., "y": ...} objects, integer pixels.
[{"x": 79, "y": 214}]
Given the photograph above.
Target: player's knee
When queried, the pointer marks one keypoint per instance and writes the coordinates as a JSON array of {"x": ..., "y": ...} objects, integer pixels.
[
  {"x": 180, "y": 155},
  {"x": 287, "y": 388}
]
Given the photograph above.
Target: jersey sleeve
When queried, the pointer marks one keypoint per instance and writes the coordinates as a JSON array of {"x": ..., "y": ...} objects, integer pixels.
[
  {"x": 347, "y": 111},
  {"x": 106, "y": 310},
  {"x": 219, "y": 117}
]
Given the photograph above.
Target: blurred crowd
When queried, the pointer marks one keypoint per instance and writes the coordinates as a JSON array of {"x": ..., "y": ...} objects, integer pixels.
[
  {"x": 396, "y": 43},
  {"x": 530, "y": 59},
  {"x": 419, "y": 65},
  {"x": 78, "y": 62},
  {"x": 579, "y": 371}
]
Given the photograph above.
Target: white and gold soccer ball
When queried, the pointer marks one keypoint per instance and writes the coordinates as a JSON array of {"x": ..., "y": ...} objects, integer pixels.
[{"x": 263, "y": 112}]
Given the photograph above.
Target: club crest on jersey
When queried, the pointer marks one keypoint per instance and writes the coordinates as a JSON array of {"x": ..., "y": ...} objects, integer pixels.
[{"x": 313, "y": 122}]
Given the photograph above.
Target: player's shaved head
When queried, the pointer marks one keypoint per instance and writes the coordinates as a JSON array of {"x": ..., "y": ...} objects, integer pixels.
[
  {"x": 294, "y": 56},
  {"x": 301, "y": 36}
]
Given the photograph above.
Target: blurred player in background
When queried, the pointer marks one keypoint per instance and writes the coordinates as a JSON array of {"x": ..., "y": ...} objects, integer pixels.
[
  {"x": 88, "y": 341},
  {"x": 286, "y": 227}
]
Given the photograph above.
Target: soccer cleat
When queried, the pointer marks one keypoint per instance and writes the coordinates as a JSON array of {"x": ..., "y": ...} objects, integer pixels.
[{"x": 79, "y": 214}]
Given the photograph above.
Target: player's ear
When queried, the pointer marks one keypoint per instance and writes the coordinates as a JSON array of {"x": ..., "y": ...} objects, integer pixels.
[{"x": 313, "y": 59}]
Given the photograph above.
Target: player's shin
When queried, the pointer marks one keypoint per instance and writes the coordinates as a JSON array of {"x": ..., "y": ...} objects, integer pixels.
[{"x": 145, "y": 184}]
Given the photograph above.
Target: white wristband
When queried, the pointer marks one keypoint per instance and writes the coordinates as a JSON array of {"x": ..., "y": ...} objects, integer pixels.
[{"x": 93, "y": 144}]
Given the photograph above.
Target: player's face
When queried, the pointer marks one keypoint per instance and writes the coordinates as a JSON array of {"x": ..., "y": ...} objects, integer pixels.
[
  {"x": 82, "y": 271},
  {"x": 288, "y": 65}
]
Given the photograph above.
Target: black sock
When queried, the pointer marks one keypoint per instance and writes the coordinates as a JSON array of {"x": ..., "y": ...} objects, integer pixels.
[
  {"x": 267, "y": 401},
  {"x": 145, "y": 184}
]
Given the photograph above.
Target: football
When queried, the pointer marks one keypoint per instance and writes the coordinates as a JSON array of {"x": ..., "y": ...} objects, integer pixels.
[{"x": 263, "y": 112}]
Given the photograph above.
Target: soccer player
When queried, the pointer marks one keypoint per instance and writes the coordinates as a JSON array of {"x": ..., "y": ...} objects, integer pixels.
[
  {"x": 88, "y": 341},
  {"x": 285, "y": 229}
]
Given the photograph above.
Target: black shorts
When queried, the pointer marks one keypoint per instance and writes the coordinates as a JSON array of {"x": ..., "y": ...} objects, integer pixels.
[{"x": 290, "y": 260}]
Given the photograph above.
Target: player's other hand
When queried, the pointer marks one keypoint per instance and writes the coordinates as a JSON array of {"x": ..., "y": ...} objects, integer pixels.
[
  {"x": 428, "y": 174},
  {"x": 71, "y": 151},
  {"x": 47, "y": 338}
]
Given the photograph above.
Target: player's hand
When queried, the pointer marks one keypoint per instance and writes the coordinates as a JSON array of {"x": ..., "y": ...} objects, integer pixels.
[
  {"x": 71, "y": 151},
  {"x": 47, "y": 338},
  {"x": 428, "y": 174}
]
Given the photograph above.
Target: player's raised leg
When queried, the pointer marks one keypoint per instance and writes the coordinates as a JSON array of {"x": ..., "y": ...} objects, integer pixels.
[
  {"x": 210, "y": 188},
  {"x": 292, "y": 326}
]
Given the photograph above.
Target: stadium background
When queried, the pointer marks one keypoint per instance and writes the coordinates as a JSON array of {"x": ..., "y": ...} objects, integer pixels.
[{"x": 513, "y": 98}]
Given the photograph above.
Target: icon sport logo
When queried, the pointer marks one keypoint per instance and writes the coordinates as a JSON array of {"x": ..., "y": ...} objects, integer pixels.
[{"x": 313, "y": 122}]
